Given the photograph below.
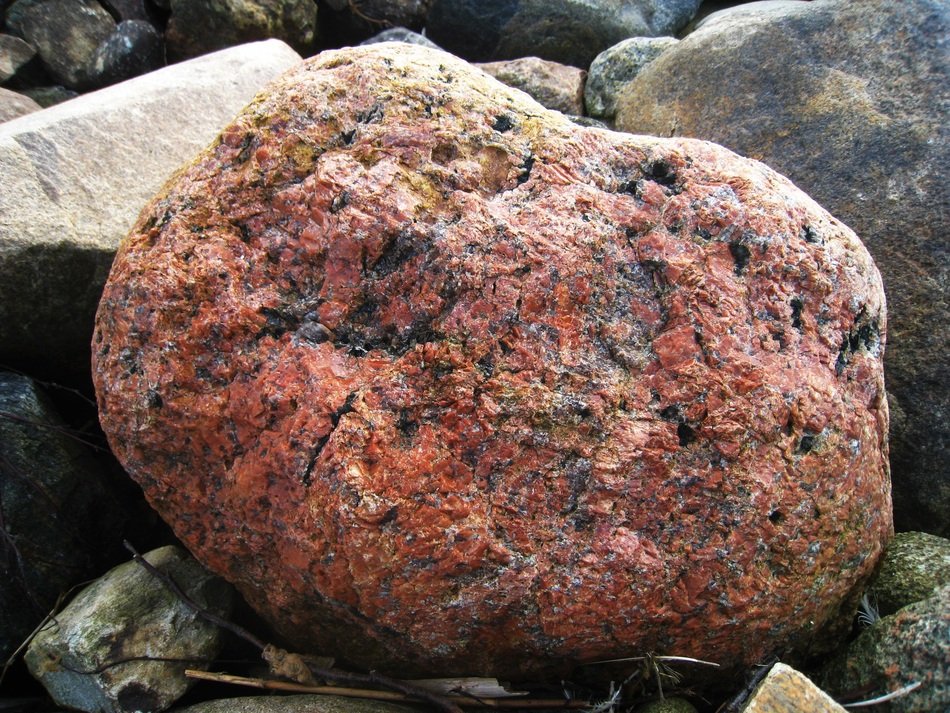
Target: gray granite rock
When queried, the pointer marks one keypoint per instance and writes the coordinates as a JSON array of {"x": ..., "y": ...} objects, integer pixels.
[
  {"x": 13, "y": 105},
  {"x": 127, "y": 616},
  {"x": 401, "y": 34},
  {"x": 65, "y": 33},
  {"x": 566, "y": 31},
  {"x": 616, "y": 66},
  {"x": 134, "y": 48},
  {"x": 861, "y": 125},
  {"x": 76, "y": 177},
  {"x": 909, "y": 647},
  {"x": 915, "y": 565},
  {"x": 197, "y": 27},
  {"x": 59, "y": 521}
]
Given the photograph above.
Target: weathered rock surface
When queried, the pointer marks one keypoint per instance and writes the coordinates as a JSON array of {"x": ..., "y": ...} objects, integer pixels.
[
  {"x": 14, "y": 53},
  {"x": 785, "y": 690},
  {"x": 566, "y": 31},
  {"x": 295, "y": 704},
  {"x": 347, "y": 22},
  {"x": 59, "y": 523},
  {"x": 48, "y": 96},
  {"x": 129, "y": 9},
  {"x": 552, "y": 85},
  {"x": 616, "y": 66},
  {"x": 128, "y": 615},
  {"x": 200, "y": 26},
  {"x": 423, "y": 367},
  {"x": 134, "y": 48},
  {"x": 865, "y": 132},
  {"x": 13, "y": 105},
  {"x": 667, "y": 705},
  {"x": 65, "y": 33},
  {"x": 76, "y": 176},
  {"x": 911, "y": 646},
  {"x": 914, "y": 566},
  {"x": 760, "y": 9}
]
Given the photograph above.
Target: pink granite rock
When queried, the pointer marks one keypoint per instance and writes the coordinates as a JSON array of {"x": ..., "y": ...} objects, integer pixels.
[{"x": 446, "y": 384}]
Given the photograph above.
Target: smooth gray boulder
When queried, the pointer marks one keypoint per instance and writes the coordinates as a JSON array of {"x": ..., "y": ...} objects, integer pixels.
[
  {"x": 850, "y": 100},
  {"x": 616, "y": 66},
  {"x": 92, "y": 656},
  {"x": 566, "y": 31},
  {"x": 75, "y": 178},
  {"x": 65, "y": 33}
]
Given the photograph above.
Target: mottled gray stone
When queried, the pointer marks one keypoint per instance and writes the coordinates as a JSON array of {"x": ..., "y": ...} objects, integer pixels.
[
  {"x": 133, "y": 49},
  {"x": 911, "y": 646},
  {"x": 616, "y": 66},
  {"x": 130, "y": 614},
  {"x": 197, "y": 27},
  {"x": 915, "y": 564},
  {"x": 59, "y": 522},
  {"x": 65, "y": 33},
  {"x": 566, "y": 31},
  {"x": 861, "y": 125},
  {"x": 48, "y": 96},
  {"x": 76, "y": 177}
]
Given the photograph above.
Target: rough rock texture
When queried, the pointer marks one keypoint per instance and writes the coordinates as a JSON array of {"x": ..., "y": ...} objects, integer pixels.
[
  {"x": 14, "y": 53},
  {"x": 567, "y": 31},
  {"x": 785, "y": 690},
  {"x": 76, "y": 176},
  {"x": 13, "y": 105},
  {"x": 65, "y": 33},
  {"x": 127, "y": 614},
  {"x": 914, "y": 566},
  {"x": 48, "y": 96},
  {"x": 129, "y": 9},
  {"x": 347, "y": 22},
  {"x": 295, "y": 704},
  {"x": 200, "y": 26},
  {"x": 134, "y": 48},
  {"x": 59, "y": 523},
  {"x": 401, "y": 34},
  {"x": 552, "y": 85},
  {"x": 865, "y": 132},
  {"x": 910, "y": 646},
  {"x": 424, "y": 368},
  {"x": 616, "y": 66}
]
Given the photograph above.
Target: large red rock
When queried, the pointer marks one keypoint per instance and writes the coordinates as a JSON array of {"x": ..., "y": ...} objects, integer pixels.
[{"x": 444, "y": 383}]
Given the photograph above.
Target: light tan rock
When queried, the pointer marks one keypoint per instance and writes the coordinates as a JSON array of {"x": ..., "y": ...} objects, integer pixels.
[
  {"x": 785, "y": 690},
  {"x": 13, "y": 105},
  {"x": 75, "y": 177}
]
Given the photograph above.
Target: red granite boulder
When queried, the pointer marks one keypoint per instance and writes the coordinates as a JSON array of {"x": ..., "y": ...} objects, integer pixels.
[{"x": 444, "y": 383}]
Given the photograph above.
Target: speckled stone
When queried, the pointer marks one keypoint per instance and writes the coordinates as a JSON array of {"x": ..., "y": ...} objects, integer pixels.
[
  {"x": 555, "y": 86},
  {"x": 914, "y": 566},
  {"x": 909, "y": 647},
  {"x": 425, "y": 368},
  {"x": 785, "y": 690}
]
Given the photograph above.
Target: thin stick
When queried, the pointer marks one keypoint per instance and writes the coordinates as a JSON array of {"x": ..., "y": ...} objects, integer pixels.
[
  {"x": 886, "y": 697},
  {"x": 465, "y": 701},
  {"x": 172, "y": 585}
]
